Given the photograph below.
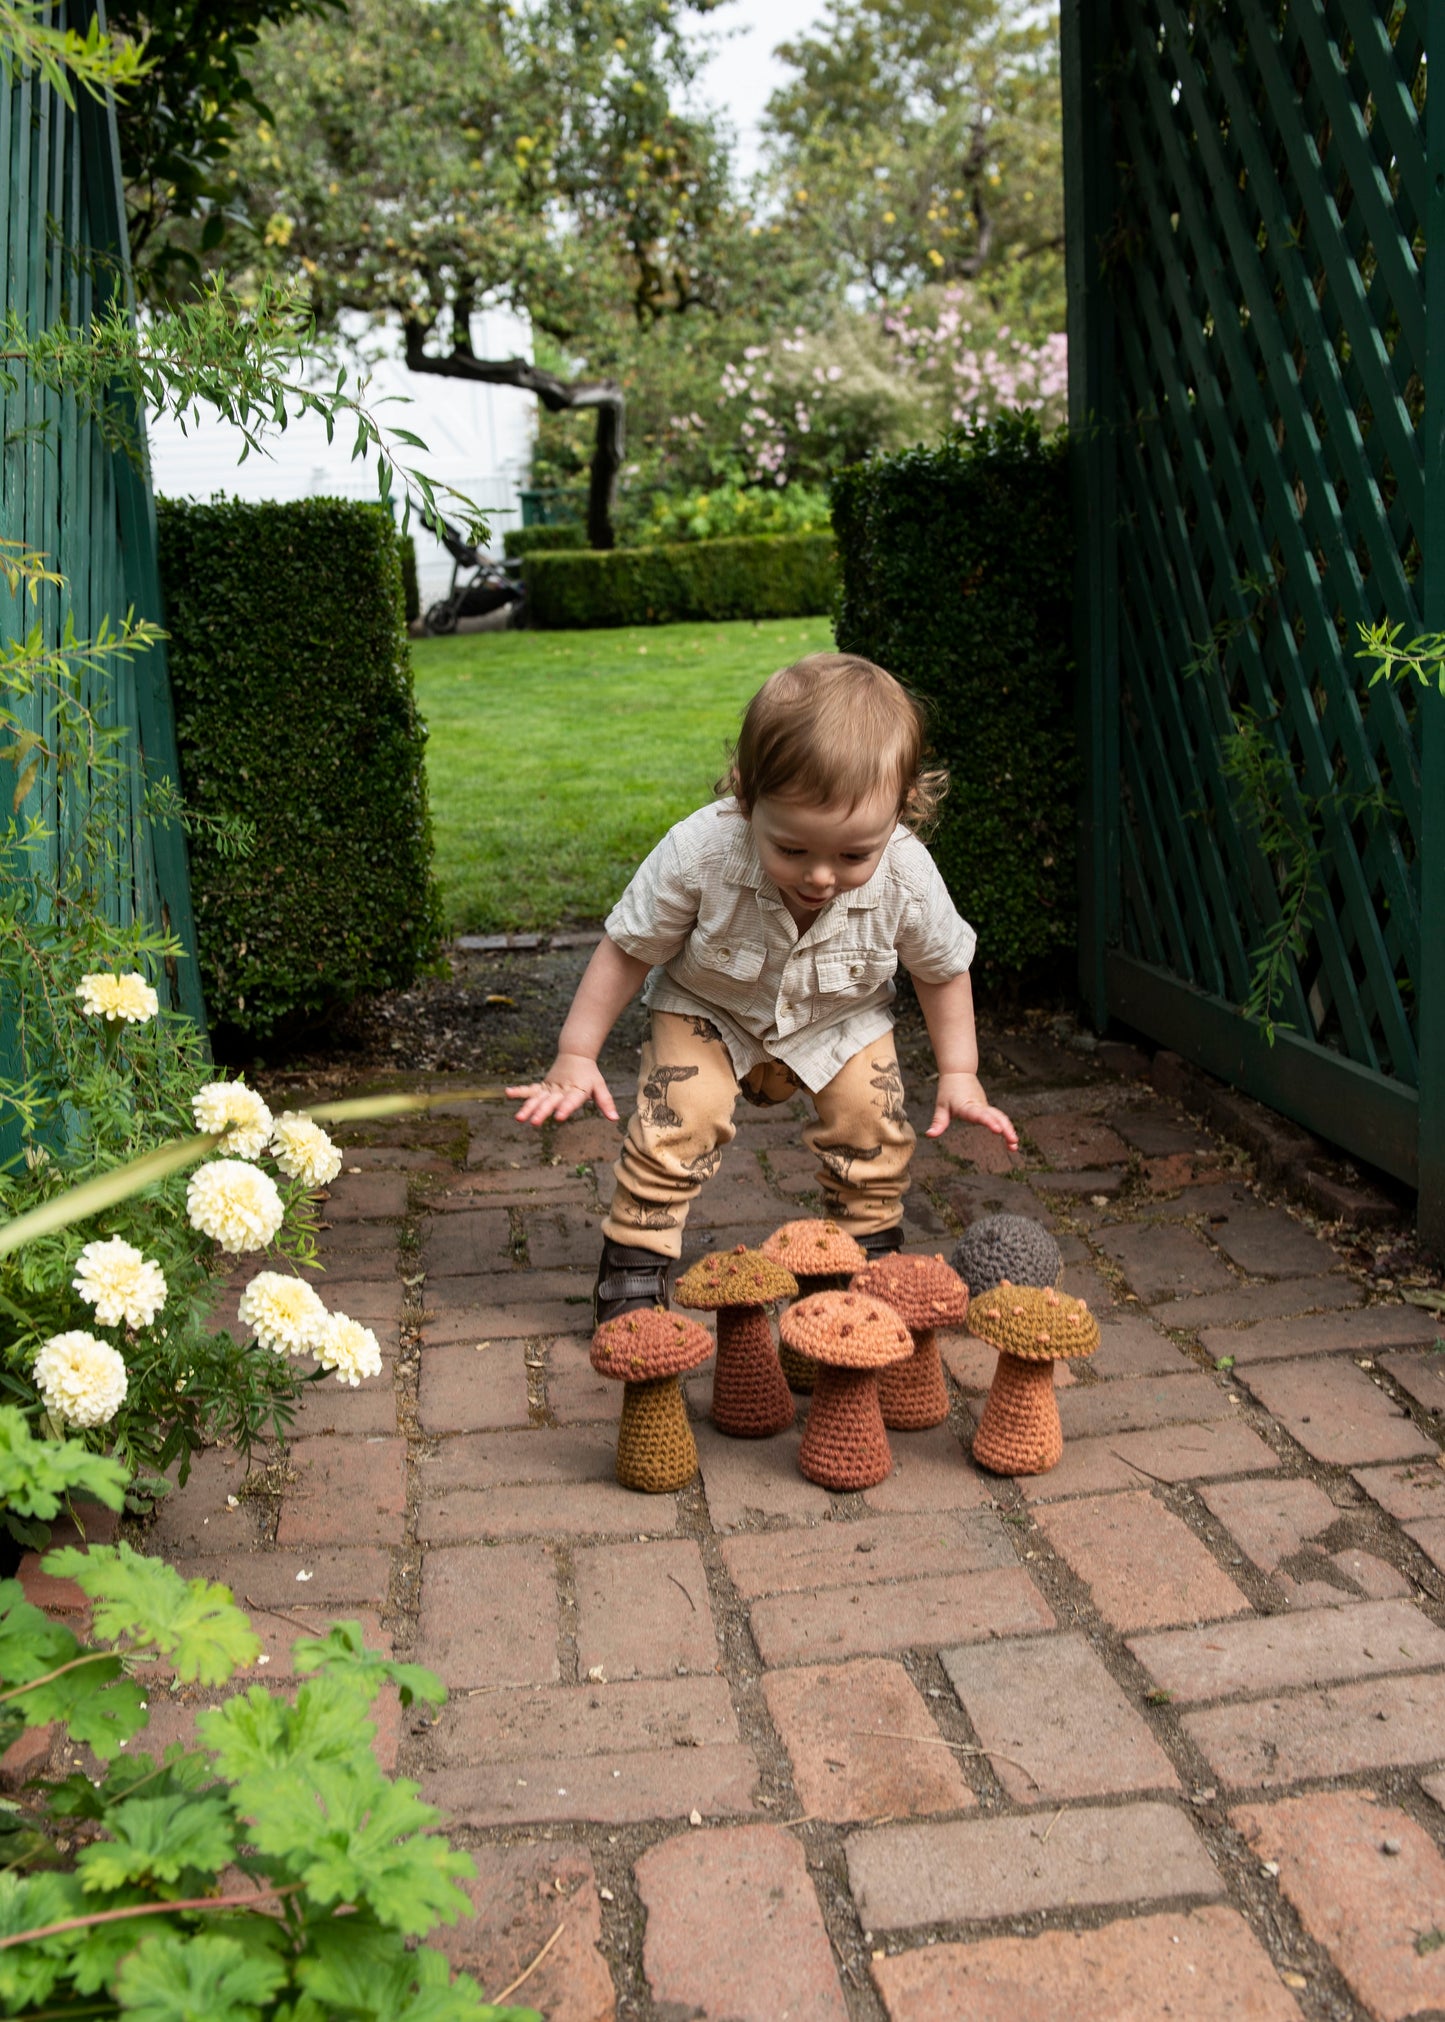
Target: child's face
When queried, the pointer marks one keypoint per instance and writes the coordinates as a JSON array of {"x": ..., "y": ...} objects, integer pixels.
[{"x": 814, "y": 853}]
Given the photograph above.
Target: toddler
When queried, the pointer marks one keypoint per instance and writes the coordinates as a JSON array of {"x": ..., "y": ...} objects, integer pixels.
[{"x": 765, "y": 931}]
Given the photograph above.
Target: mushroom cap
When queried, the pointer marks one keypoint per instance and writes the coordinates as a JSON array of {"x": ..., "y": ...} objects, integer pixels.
[
  {"x": 1035, "y": 1323},
  {"x": 922, "y": 1291},
  {"x": 740, "y": 1277},
  {"x": 847, "y": 1330},
  {"x": 1006, "y": 1246},
  {"x": 641, "y": 1347},
  {"x": 813, "y": 1249}
]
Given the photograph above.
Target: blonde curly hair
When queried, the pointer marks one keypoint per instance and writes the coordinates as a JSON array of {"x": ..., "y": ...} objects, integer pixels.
[{"x": 832, "y": 730}]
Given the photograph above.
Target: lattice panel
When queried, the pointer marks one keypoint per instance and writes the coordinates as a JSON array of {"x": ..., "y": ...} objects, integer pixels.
[{"x": 1266, "y": 273}]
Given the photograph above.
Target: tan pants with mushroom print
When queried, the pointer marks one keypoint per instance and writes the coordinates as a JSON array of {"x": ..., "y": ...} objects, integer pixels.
[{"x": 686, "y": 1094}]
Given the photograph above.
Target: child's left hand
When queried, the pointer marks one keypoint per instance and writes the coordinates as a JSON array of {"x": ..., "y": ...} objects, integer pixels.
[{"x": 962, "y": 1096}]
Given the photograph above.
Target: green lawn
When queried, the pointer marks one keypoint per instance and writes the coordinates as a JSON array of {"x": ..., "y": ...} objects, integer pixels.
[{"x": 557, "y": 759}]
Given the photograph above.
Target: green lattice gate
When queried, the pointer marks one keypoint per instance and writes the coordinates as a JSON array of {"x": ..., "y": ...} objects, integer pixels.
[
  {"x": 1258, "y": 367},
  {"x": 64, "y": 491}
]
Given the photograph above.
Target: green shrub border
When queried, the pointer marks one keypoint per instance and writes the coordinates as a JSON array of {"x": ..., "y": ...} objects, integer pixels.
[
  {"x": 295, "y": 710},
  {"x": 517, "y": 541},
  {"x": 747, "y": 576},
  {"x": 957, "y": 568}
]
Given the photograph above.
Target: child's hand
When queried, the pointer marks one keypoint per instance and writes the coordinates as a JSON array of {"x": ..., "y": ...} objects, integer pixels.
[
  {"x": 962, "y": 1096},
  {"x": 570, "y": 1081}
]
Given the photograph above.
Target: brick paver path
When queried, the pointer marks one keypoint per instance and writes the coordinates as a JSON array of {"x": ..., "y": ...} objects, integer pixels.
[{"x": 1160, "y": 1733}]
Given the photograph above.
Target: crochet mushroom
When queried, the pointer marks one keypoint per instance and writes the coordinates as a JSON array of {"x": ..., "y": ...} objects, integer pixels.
[
  {"x": 1031, "y": 1328},
  {"x": 822, "y": 1257},
  {"x": 1006, "y": 1246},
  {"x": 925, "y": 1294},
  {"x": 750, "y": 1395},
  {"x": 850, "y": 1337},
  {"x": 648, "y": 1351}
]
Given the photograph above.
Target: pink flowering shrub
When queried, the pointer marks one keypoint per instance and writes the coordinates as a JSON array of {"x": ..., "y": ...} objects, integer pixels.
[{"x": 802, "y": 406}]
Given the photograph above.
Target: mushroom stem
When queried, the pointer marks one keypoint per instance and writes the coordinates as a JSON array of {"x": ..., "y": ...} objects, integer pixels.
[
  {"x": 1020, "y": 1432},
  {"x": 913, "y": 1394},
  {"x": 800, "y": 1370},
  {"x": 844, "y": 1445},
  {"x": 656, "y": 1451},
  {"x": 750, "y": 1395}
]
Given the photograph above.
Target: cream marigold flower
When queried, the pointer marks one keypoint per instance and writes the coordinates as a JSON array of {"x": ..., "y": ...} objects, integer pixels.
[
  {"x": 284, "y": 1313},
  {"x": 231, "y": 1107},
  {"x": 120, "y": 1283},
  {"x": 348, "y": 1348},
  {"x": 303, "y": 1150},
  {"x": 234, "y": 1203},
  {"x": 80, "y": 1379},
  {"x": 128, "y": 997}
]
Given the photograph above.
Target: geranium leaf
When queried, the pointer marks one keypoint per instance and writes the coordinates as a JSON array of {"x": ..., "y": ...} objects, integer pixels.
[
  {"x": 175, "y": 1978},
  {"x": 195, "y": 1623}
]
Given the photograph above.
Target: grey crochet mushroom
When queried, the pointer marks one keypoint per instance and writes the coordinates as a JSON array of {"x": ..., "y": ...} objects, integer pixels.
[{"x": 1006, "y": 1246}]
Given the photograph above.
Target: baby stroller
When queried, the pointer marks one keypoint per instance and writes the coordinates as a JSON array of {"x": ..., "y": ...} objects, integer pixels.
[{"x": 480, "y": 585}]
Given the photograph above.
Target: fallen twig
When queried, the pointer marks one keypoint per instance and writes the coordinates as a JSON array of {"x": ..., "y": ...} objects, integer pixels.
[
  {"x": 961, "y": 1747},
  {"x": 683, "y": 1591},
  {"x": 495, "y": 2000}
]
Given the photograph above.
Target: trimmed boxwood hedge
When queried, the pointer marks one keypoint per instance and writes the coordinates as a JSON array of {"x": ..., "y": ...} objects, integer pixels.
[
  {"x": 294, "y": 708},
  {"x": 756, "y": 576},
  {"x": 543, "y": 540},
  {"x": 957, "y": 569}
]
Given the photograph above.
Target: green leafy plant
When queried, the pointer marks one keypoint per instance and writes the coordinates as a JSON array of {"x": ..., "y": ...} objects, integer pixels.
[
  {"x": 272, "y": 1872},
  {"x": 728, "y": 511},
  {"x": 313, "y": 728},
  {"x": 957, "y": 566},
  {"x": 1422, "y": 657}
]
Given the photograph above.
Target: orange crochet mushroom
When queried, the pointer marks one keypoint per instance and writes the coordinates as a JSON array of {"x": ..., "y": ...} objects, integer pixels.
[
  {"x": 648, "y": 1351},
  {"x": 750, "y": 1395},
  {"x": 850, "y": 1337},
  {"x": 822, "y": 1257},
  {"x": 1019, "y": 1432},
  {"x": 925, "y": 1294}
]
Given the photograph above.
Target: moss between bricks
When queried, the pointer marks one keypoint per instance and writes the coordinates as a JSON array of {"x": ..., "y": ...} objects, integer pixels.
[{"x": 294, "y": 708}]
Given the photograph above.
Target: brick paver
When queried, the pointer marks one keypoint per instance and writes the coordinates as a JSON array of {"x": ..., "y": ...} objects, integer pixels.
[
  {"x": 1339, "y": 1731},
  {"x": 1335, "y": 1412},
  {"x": 862, "y": 1744},
  {"x": 1206, "y": 1966},
  {"x": 1055, "y": 1724},
  {"x": 1144, "y": 1567},
  {"x": 642, "y": 1610},
  {"x": 1007, "y": 1867},
  {"x": 1358, "y": 1333},
  {"x": 927, "y": 1680},
  {"x": 734, "y": 1929},
  {"x": 1268, "y": 1654},
  {"x": 1369, "y": 1884},
  {"x": 523, "y": 1898}
]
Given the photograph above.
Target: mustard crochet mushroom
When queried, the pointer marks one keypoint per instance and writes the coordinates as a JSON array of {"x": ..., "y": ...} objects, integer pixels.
[
  {"x": 1032, "y": 1329},
  {"x": 822, "y": 1257},
  {"x": 647, "y": 1352},
  {"x": 750, "y": 1395}
]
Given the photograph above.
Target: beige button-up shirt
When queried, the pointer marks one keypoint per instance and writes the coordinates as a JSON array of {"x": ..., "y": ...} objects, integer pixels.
[{"x": 725, "y": 947}]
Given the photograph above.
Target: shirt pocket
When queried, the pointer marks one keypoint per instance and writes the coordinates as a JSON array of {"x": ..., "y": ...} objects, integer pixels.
[
  {"x": 854, "y": 972},
  {"x": 723, "y": 965}
]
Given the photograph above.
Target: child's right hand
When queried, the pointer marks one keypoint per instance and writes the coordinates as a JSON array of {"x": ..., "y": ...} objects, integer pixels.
[{"x": 569, "y": 1082}]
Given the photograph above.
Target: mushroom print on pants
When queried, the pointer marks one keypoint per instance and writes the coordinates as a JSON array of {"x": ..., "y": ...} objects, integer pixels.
[{"x": 822, "y": 1257}]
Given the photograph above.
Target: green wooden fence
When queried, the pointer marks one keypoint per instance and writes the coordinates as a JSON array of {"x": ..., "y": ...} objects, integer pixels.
[
  {"x": 88, "y": 507},
  {"x": 1258, "y": 385}
]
